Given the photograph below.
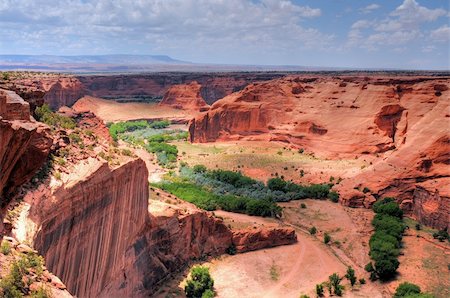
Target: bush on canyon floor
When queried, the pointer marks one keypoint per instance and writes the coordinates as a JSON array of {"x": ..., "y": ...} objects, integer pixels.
[
  {"x": 200, "y": 283},
  {"x": 46, "y": 115},
  {"x": 120, "y": 127},
  {"x": 410, "y": 290},
  {"x": 385, "y": 243},
  {"x": 350, "y": 275},
  {"x": 335, "y": 281},
  {"x": 326, "y": 238},
  {"x": 441, "y": 235}
]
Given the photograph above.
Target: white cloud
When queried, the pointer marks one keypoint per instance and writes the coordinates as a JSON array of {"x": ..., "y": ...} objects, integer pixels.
[
  {"x": 163, "y": 24},
  {"x": 441, "y": 34},
  {"x": 403, "y": 25},
  {"x": 369, "y": 8}
]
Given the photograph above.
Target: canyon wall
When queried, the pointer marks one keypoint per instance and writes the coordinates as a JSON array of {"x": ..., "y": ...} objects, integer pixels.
[
  {"x": 102, "y": 236},
  {"x": 24, "y": 144},
  {"x": 403, "y": 121},
  {"x": 186, "y": 97},
  {"x": 65, "y": 90}
]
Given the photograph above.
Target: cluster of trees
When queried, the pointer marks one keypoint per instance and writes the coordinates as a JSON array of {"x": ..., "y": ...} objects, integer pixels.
[
  {"x": 385, "y": 243},
  {"x": 313, "y": 191},
  {"x": 120, "y": 127},
  {"x": 333, "y": 284},
  {"x": 165, "y": 153},
  {"x": 235, "y": 183},
  {"x": 204, "y": 198},
  {"x": 200, "y": 284},
  {"x": 46, "y": 115}
]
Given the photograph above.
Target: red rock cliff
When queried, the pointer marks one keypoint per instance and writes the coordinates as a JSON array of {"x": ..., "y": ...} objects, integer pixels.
[
  {"x": 24, "y": 144},
  {"x": 405, "y": 118},
  {"x": 185, "y": 97}
]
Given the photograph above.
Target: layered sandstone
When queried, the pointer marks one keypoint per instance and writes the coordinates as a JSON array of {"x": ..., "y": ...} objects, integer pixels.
[
  {"x": 24, "y": 144},
  {"x": 102, "y": 236},
  {"x": 403, "y": 121},
  {"x": 65, "y": 90},
  {"x": 185, "y": 97}
]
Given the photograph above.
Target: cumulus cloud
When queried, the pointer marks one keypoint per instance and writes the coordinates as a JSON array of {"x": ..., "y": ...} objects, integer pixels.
[
  {"x": 154, "y": 25},
  {"x": 401, "y": 26},
  {"x": 441, "y": 34},
  {"x": 369, "y": 8}
]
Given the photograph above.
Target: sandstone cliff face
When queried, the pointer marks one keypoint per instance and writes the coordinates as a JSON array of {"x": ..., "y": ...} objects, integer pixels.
[
  {"x": 185, "y": 97},
  {"x": 404, "y": 119},
  {"x": 24, "y": 144},
  {"x": 87, "y": 224},
  {"x": 100, "y": 234}
]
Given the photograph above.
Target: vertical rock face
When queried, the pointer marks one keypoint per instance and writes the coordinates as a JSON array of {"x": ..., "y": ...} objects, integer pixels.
[
  {"x": 24, "y": 144},
  {"x": 186, "y": 97},
  {"x": 91, "y": 223}
]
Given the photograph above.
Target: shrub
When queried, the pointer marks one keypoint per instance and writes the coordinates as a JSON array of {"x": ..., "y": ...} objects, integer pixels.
[
  {"x": 442, "y": 235},
  {"x": 313, "y": 230},
  {"x": 5, "y": 247},
  {"x": 45, "y": 114},
  {"x": 333, "y": 196},
  {"x": 319, "y": 290},
  {"x": 199, "y": 169},
  {"x": 199, "y": 283},
  {"x": 208, "y": 294},
  {"x": 406, "y": 289},
  {"x": 231, "y": 250},
  {"x": 159, "y": 124},
  {"x": 362, "y": 281},
  {"x": 303, "y": 206},
  {"x": 369, "y": 267},
  {"x": 326, "y": 238},
  {"x": 276, "y": 184},
  {"x": 335, "y": 282},
  {"x": 366, "y": 190},
  {"x": 350, "y": 275}
]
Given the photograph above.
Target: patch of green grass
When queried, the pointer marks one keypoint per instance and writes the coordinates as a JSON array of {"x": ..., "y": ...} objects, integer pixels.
[{"x": 274, "y": 273}]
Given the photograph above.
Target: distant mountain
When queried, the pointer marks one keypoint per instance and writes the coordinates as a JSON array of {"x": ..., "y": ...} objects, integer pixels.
[{"x": 89, "y": 59}]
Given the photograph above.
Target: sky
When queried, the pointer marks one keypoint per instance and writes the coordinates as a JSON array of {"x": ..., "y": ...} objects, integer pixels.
[{"x": 402, "y": 34}]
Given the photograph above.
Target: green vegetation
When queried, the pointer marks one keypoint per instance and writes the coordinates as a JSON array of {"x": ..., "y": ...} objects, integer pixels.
[
  {"x": 5, "y": 247},
  {"x": 274, "y": 274},
  {"x": 326, "y": 238},
  {"x": 45, "y": 114},
  {"x": 441, "y": 235},
  {"x": 313, "y": 230},
  {"x": 335, "y": 282},
  {"x": 207, "y": 200},
  {"x": 385, "y": 243},
  {"x": 313, "y": 191},
  {"x": 319, "y": 290},
  {"x": 410, "y": 290},
  {"x": 201, "y": 284},
  {"x": 120, "y": 127},
  {"x": 13, "y": 284},
  {"x": 350, "y": 275}
]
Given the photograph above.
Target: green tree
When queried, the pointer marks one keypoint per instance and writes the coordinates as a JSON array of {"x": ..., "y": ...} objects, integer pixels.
[
  {"x": 350, "y": 275},
  {"x": 319, "y": 290},
  {"x": 326, "y": 238},
  {"x": 335, "y": 282},
  {"x": 199, "y": 283},
  {"x": 406, "y": 289},
  {"x": 313, "y": 230}
]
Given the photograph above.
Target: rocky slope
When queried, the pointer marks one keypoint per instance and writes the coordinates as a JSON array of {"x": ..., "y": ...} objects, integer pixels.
[
  {"x": 185, "y": 97},
  {"x": 403, "y": 120},
  {"x": 24, "y": 144}
]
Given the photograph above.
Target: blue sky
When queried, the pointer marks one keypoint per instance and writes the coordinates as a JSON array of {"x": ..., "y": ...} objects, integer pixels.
[{"x": 408, "y": 34}]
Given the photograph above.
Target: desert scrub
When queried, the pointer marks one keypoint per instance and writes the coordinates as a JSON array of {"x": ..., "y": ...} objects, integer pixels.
[
  {"x": 274, "y": 273},
  {"x": 5, "y": 247},
  {"x": 45, "y": 114}
]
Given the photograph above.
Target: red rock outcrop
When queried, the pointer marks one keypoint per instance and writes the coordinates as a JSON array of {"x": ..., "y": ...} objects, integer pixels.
[
  {"x": 403, "y": 118},
  {"x": 99, "y": 234},
  {"x": 185, "y": 97},
  {"x": 24, "y": 144},
  {"x": 254, "y": 239}
]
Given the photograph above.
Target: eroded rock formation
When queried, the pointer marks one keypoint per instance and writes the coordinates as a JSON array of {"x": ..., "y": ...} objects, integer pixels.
[
  {"x": 185, "y": 97},
  {"x": 405, "y": 119},
  {"x": 24, "y": 144},
  {"x": 101, "y": 236}
]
